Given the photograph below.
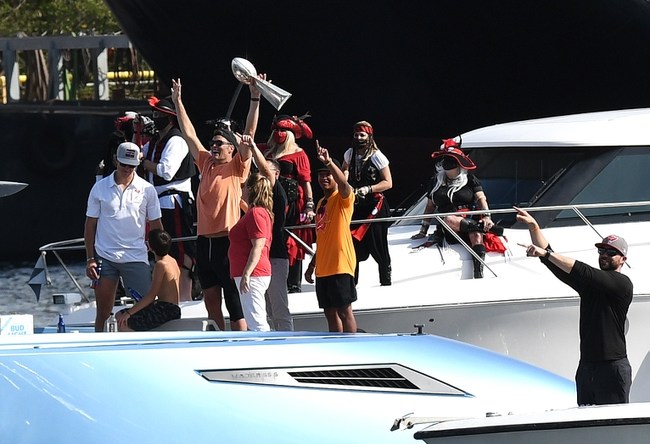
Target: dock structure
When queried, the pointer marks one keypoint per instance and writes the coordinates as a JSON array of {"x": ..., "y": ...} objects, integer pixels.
[{"x": 55, "y": 46}]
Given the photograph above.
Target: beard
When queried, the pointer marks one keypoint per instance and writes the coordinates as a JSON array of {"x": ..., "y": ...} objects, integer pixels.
[{"x": 607, "y": 265}]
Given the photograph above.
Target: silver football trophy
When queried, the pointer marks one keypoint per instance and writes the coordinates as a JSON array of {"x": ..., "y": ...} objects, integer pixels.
[{"x": 245, "y": 72}]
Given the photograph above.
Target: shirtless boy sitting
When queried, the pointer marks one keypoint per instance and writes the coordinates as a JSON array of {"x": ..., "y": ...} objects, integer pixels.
[{"x": 151, "y": 312}]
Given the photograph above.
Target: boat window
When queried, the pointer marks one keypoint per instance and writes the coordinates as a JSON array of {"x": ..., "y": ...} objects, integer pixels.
[
  {"x": 515, "y": 176},
  {"x": 624, "y": 179}
]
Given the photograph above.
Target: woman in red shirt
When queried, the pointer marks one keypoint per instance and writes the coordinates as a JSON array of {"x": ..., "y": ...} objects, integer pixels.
[{"x": 250, "y": 240}]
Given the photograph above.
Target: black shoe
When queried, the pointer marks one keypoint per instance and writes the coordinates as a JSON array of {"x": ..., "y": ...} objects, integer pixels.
[
  {"x": 437, "y": 237},
  {"x": 478, "y": 265},
  {"x": 385, "y": 276},
  {"x": 294, "y": 289}
]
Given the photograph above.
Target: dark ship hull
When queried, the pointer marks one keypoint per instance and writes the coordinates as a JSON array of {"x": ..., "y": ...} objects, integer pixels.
[{"x": 55, "y": 149}]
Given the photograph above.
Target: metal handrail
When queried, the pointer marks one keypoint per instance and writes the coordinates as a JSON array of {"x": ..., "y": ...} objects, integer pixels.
[
  {"x": 439, "y": 217},
  {"x": 502, "y": 211},
  {"x": 69, "y": 244}
]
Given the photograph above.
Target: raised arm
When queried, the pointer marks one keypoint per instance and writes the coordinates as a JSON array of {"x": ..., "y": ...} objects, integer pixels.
[
  {"x": 259, "y": 159},
  {"x": 536, "y": 235},
  {"x": 254, "y": 108},
  {"x": 184, "y": 122},
  {"x": 539, "y": 247},
  {"x": 324, "y": 156}
]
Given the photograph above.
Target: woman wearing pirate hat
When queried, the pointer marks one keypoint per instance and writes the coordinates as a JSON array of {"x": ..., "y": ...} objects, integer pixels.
[
  {"x": 295, "y": 178},
  {"x": 457, "y": 189}
]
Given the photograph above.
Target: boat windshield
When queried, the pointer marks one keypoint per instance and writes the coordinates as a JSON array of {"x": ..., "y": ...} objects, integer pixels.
[
  {"x": 622, "y": 179},
  {"x": 516, "y": 176}
]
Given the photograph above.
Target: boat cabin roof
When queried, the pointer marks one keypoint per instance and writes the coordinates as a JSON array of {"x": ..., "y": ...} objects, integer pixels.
[{"x": 609, "y": 128}]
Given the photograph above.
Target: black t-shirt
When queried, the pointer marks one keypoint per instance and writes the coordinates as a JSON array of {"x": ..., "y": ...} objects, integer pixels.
[
  {"x": 462, "y": 199},
  {"x": 605, "y": 298}
]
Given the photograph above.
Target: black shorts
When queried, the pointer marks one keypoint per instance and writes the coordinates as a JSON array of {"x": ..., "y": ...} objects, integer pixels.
[
  {"x": 154, "y": 315},
  {"x": 335, "y": 291},
  {"x": 213, "y": 269},
  {"x": 604, "y": 382}
]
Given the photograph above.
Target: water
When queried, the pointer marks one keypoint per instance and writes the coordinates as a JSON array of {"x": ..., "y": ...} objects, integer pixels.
[{"x": 17, "y": 297}]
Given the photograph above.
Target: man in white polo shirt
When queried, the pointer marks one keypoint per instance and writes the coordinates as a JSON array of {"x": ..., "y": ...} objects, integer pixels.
[{"x": 119, "y": 207}]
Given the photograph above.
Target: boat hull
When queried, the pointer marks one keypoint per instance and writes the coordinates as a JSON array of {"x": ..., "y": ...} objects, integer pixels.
[{"x": 247, "y": 387}]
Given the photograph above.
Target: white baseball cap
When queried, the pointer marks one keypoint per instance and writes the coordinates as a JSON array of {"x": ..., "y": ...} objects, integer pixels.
[{"x": 128, "y": 153}]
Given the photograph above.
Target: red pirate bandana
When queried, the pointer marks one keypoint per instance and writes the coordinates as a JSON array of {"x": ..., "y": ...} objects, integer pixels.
[
  {"x": 451, "y": 148},
  {"x": 362, "y": 128}
]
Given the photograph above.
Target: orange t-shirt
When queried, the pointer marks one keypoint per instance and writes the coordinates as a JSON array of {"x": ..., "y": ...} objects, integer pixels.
[
  {"x": 334, "y": 248},
  {"x": 219, "y": 193}
]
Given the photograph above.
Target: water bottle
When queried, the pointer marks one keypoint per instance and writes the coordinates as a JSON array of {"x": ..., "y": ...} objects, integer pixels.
[
  {"x": 111, "y": 324},
  {"x": 134, "y": 294},
  {"x": 60, "y": 327},
  {"x": 94, "y": 282}
]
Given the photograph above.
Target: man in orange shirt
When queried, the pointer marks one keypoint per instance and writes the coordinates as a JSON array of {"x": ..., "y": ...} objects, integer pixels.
[
  {"x": 223, "y": 171},
  {"x": 335, "y": 260}
]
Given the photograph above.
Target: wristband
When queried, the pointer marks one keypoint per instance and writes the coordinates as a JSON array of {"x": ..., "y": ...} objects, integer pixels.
[
  {"x": 547, "y": 255},
  {"x": 255, "y": 99},
  {"x": 328, "y": 163},
  {"x": 90, "y": 259}
]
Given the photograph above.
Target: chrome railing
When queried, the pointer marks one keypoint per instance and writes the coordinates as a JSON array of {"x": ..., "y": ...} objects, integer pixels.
[{"x": 78, "y": 244}]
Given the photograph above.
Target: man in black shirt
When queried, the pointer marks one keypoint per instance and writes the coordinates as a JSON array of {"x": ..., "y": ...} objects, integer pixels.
[{"x": 604, "y": 375}]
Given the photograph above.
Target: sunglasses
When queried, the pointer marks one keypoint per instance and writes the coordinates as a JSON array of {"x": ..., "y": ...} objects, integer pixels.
[
  {"x": 448, "y": 163},
  {"x": 219, "y": 143},
  {"x": 608, "y": 251},
  {"x": 123, "y": 165}
]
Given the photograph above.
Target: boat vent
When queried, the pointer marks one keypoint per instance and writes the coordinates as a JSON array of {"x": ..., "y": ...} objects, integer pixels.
[
  {"x": 382, "y": 377},
  {"x": 372, "y": 377}
]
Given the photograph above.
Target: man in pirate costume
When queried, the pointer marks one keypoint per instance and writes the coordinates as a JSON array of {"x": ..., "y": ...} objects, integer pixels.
[
  {"x": 456, "y": 189},
  {"x": 168, "y": 165},
  {"x": 367, "y": 171}
]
